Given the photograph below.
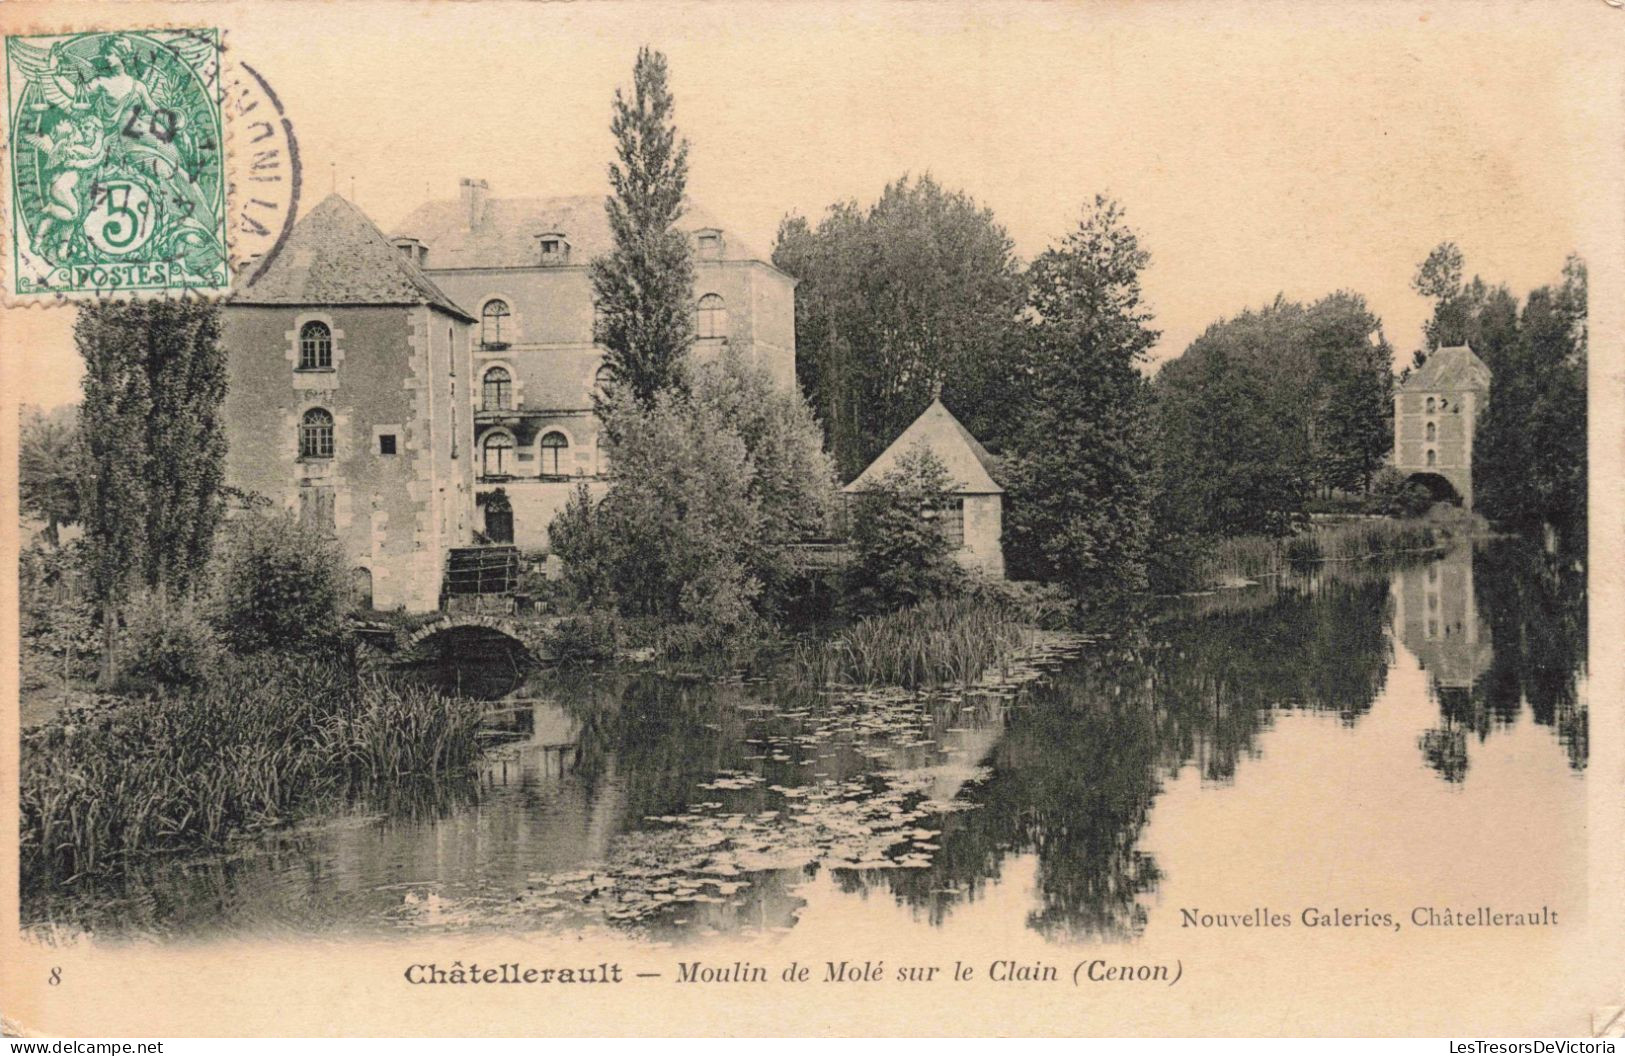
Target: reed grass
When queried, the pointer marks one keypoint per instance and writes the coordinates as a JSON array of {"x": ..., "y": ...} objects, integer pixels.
[
  {"x": 1257, "y": 557},
  {"x": 190, "y": 769},
  {"x": 944, "y": 642}
]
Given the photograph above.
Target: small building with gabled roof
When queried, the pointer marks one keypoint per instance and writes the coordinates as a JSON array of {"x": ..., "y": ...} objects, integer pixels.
[
  {"x": 348, "y": 374},
  {"x": 1435, "y": 413},
  {"x": 974, "y": 519}
]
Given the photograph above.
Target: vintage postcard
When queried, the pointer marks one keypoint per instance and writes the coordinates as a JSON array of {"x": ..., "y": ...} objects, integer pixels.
[{"x": 813, "y": 519}]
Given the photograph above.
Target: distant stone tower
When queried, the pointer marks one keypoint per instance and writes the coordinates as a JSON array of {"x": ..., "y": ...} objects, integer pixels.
[{"x": 1435, "y": 411}]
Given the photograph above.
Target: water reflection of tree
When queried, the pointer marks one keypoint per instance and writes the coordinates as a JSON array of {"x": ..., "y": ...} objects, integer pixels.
[
  {"x": 1533, "y": 601},
  {"x": 1074, "y": 778}
]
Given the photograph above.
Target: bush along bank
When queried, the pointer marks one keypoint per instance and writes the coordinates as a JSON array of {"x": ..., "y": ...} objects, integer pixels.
[{"x": 256, "y": 746}]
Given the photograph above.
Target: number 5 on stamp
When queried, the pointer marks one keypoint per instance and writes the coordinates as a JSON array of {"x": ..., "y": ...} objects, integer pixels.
[{"x": 117, "y": 183}]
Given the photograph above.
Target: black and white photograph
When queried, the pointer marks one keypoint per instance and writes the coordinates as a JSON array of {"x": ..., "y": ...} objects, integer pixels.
[{"x": 814, "y": 519}]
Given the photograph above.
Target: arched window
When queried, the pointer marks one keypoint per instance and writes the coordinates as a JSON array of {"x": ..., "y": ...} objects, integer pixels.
[
  {"x": 711, "y": 317},
  {"x": 1433, "y": 431},
  {"x": 497, "y": 394},
  {"x": 316, "y": 434},
  {"x": 603, "y": 379},
  {"x": 492, "y": 318},
  {"x": 1432, "y": 405},
  {"x": 315, "y": 347},
  {"x": 498, "y": 452},
  {"x": 1433, "y": 457},
  {"x": 553, "y": 448}
]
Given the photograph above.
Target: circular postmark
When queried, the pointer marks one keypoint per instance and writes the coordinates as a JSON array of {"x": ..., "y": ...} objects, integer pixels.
[
  {"x": 262, "y": 170},
  {"x": 119, "y": 166}
]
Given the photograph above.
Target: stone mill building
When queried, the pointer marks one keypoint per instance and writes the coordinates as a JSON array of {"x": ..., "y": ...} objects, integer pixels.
[
  {"x": 434, "y": 389},
  {"x": 1435, "y": 413}
]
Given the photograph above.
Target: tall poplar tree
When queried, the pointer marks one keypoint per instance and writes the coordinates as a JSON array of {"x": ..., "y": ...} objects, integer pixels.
[
  {"x": 644, "y": 289},
  {"x": 153, "y": 446},
  {"x": 1079, "y": 469}
]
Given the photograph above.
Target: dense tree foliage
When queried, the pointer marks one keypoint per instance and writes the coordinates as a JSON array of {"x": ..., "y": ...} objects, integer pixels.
[
  {"x": 1266, "y": 408},
  {"x": 1529, "y": 452},
  {"x": 916, "y": 294},
  {"x": 705, "y": 489},
  {"x": 153, "y": 446},
  {"x": 644, "y": 288},
  {"x": 1078, "y": 464}
]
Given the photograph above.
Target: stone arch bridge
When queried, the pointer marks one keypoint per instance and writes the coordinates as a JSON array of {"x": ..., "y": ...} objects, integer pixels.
[{"x": 409, "y": 644}]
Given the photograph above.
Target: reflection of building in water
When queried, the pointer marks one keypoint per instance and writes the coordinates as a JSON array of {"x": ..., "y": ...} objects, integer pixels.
[{"x": 1437, "y": 619}]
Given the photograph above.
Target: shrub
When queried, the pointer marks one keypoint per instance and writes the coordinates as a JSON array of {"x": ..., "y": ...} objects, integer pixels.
[
  {"x": 900, "y": 555},
  {"x": 281, "y": 584},
  {"x": 167, "y": 642},
  {"x": 588, "y": 636},
  {"x": 59, "y": 627}
]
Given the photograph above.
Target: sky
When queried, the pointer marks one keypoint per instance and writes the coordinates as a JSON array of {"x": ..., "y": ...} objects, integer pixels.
[{"x": 1259, "y": 149}]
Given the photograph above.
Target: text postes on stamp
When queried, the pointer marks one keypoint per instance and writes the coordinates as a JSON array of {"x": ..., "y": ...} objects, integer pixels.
[{"x": 117, "y": 182}]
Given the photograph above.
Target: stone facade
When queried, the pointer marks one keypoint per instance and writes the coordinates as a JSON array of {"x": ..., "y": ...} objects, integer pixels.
[
  {"x": 393, "y": 477},
  {"x": 447, "y": 392},
  {"x": 1435, "y": 413},
  {"x": 521, "y": 268}
]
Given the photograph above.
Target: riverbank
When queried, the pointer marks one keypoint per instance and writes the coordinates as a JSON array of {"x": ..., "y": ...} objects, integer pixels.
[
  {"x": 1248, "y": 559},
  {"x": 252, "y": 749}
]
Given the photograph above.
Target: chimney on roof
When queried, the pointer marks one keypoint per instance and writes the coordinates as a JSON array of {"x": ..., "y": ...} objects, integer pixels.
[{"x": 474, "y": 193}]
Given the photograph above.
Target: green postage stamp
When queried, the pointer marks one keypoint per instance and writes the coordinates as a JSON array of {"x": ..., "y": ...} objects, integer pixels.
[{"x": 117, "y": 179}]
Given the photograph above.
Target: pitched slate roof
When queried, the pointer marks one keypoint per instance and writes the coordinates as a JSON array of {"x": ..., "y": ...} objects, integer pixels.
[
  {"x": 967, "y": 461},
  {"x": 335, "y": 255},
  {"x": 506, "y": 234},
  {"x": 1455, "y": 368}
]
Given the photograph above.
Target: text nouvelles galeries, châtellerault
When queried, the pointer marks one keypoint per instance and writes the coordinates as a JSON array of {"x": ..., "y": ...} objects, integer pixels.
[{"x": 1333, "y": 918}]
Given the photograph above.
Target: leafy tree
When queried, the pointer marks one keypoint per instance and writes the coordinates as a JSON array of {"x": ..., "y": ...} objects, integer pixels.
[
  {"x": 1079, "y": 471},
  {"x": 282, "y": 584},
  {"x": 48, "y": 469},
  {"x": 154, "y": 447},
  {"x": 1529, "y": 454},
  {"x": 792, "y": 479},
  {"x": 1232, "y": 465},
  {"x": 917, "y": 294},
  {"x": 901, "y": 555},
  {"x": 1265, "y": 407},
  {"x": 675, "y": 522},
  {"x": 706, "y": 490},
  {"x": 644, "y": 288}
]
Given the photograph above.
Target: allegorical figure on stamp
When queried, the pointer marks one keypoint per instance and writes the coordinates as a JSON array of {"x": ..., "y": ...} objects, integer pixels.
[{"x": 126, "y": 161}]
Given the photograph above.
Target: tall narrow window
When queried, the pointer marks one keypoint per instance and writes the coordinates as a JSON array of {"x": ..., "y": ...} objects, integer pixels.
[
  {"x": 316, "y": 434},
  {"x": 315, "y": 347},
  {"x": 1432, "y": 405},
  {"x": 1433, "y": 431},
  {"x": 497, "y": 394},
  {"x": 553, "y": 447},
  {"x": 711, "y": 317},
  {"x": 498, "y": 452},
  {"x": 493, "y": 319},
  {"x": 1433, "y": 457}
]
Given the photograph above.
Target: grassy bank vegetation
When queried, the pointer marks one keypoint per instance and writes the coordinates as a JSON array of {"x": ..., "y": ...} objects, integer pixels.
[
  {"x": 1252, "y": 557},
  {"x": 950, "y": 641},
  {"x": 251, "y": 748}
]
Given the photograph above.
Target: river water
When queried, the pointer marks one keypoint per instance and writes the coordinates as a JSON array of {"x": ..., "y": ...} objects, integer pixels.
[{"x": 1349, "y": 739}]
